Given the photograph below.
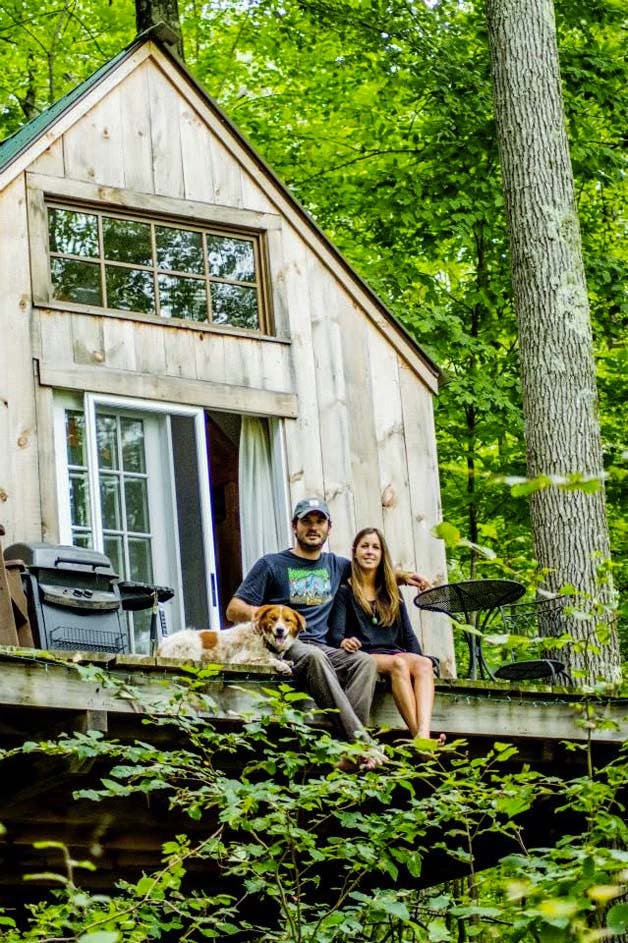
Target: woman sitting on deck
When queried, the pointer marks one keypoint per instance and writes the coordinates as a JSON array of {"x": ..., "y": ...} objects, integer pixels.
[{"x": 369, "y": 614}]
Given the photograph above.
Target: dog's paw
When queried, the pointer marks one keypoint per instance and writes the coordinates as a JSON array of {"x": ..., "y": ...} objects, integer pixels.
[{"x": 283, "y": 667}]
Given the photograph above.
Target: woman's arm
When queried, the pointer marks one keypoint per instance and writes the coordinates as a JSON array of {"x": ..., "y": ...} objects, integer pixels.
[
  {"x": 337, "y": 622},
  {"x": 340, "y": 622}
]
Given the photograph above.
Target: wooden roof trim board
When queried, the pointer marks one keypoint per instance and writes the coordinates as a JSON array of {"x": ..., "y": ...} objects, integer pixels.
[{"x": 19, "y": 151}]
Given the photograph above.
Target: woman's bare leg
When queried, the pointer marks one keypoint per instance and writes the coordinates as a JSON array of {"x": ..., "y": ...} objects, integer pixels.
[
  {"x": 422, "y": 679},
  {"x": 402, "y": 687}
]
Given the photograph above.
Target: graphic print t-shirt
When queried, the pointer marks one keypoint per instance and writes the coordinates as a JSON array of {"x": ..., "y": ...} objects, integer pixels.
[{"x": 309, "y": 586}]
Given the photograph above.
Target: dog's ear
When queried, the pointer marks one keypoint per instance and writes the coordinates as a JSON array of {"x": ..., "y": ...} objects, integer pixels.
[
  {"x": 260, "y": 612},
  {"x": 300, "y": 621}
]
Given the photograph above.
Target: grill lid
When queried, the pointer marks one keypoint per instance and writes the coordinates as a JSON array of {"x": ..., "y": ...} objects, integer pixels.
[{"x": 60, "y": 557}]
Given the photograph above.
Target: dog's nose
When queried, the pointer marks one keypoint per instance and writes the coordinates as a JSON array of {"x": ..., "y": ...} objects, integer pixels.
[{"x": 280, "y": 631}]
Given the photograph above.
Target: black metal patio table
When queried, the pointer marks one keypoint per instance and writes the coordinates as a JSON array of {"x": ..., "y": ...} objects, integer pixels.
[{"x": 472, "y": 596}]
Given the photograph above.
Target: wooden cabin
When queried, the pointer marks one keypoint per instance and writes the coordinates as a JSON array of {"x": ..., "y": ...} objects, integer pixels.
[{"x": 185, "y": 354}]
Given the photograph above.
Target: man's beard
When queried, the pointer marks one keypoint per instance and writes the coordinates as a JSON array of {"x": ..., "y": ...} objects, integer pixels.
[{"x": 310, "y": 546}]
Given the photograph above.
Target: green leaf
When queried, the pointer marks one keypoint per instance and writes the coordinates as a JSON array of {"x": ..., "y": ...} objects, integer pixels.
[
  {"x": 617, "y": 918},
  {"x": 447, "y": 532}
]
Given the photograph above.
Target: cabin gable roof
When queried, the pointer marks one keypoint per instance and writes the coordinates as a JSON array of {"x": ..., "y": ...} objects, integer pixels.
[{"x": 19, "y": 151}]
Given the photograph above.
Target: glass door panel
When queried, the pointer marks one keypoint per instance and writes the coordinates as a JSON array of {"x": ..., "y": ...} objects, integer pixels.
[{"x": 134, "y": 484}]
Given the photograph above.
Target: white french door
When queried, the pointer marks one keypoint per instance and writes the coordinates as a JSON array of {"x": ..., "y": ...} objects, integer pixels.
[{"x": 134, "y": 484}]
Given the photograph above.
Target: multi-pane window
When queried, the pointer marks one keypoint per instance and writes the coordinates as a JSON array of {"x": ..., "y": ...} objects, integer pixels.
[{"x": 155, "y": 268}]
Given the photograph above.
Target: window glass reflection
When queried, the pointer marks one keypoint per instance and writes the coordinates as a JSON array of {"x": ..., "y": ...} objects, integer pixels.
[
  {"x": 110, "y": 501},
  {"x": 107, "y": 441},
  {"x": 136, "y": 502},
  {"x": 73, "y": 233},
  {"x": 182, "y": 298},
  {"x": 75, "y": 437},
  {"x": 232, "y": 304},
  {"x": 127, "y": 240},
  {"x": 76, "y": 281},
  {"x": 179, "y": 250},
  {"x": 133, "y": 457},
  {"x": 231, "y": 258},
  {"x": 130, "y": 289}
]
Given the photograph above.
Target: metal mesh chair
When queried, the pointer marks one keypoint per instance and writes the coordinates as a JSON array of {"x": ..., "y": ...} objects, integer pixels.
[{"x": 535, "y": 629}]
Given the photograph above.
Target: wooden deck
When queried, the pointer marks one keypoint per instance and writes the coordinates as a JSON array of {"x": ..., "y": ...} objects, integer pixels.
[{"x": 42, "y": 695}]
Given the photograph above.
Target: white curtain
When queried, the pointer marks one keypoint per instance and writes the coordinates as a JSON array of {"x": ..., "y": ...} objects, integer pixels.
[{"x": 259, "y": 530}]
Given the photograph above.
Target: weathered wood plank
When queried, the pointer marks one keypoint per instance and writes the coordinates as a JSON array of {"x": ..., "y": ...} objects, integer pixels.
[
  {"x": 153, "y": 204},
  {"x": 275, "y": 366},
  {"x": 19, "y": 483},
  {"x": 56, "y": 343},
  {"x": 303, "y": 444},
  {"x": 278, "y": 277},
  {"x": 209, "y": 395},
  {"x": 254, "y": 197},
  {"x": 362, "y": 436},
  {"x": 137, "y": 155},
  {"x": 119, "y": 344},
  {"x": 227, "y": 175},
  {"x": 333, "y": 408},
  {"x": 209, "y": 358},
  {"x": 165, "y": 137},
  {"x": 51, "y": 161},
  {"x": 39, "y": 248},
  {"x": 459, "y": 710},
  {"x": 196, "y": 148},
  {"x": 150, "y": 348},
  {"x": 88, "y": 342},
  {"x": 180, "y": 348},
  {"x": 391, "y": 451},
  {"x": 93, "y": 146},
  {"x": 47, "y": 456}
]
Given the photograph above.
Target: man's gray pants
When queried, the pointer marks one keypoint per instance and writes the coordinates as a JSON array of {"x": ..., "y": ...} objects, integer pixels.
[{"x": 338, "y": 680}]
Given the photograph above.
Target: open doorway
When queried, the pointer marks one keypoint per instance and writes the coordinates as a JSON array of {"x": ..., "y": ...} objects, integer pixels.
[{"x": 223, "y": 448}]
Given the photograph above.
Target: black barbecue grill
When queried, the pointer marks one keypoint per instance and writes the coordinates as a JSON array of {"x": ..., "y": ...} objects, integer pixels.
[{"x": 73, "y": 598}]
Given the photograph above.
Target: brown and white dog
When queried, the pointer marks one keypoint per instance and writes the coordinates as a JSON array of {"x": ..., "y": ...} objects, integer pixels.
[{"x": 259, "y": 642}]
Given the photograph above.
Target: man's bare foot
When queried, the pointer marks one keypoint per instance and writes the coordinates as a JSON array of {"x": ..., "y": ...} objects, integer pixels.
[{"x": 365, "y": 763}]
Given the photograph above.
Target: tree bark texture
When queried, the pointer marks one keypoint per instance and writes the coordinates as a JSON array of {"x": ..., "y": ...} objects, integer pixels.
[
  {"x": 151, "y": 12},
  {"x": 558, "y": 374}
]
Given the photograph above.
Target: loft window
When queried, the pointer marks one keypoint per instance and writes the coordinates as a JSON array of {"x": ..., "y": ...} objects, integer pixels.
[{"x": 156, "y": 268}]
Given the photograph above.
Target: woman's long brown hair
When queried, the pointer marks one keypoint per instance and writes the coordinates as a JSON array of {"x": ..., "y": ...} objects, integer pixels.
[{"x": 387, "y": 593}]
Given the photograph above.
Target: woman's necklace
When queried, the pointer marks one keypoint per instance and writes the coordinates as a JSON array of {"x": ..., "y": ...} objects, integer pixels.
[{"x": 374, "y": 613}]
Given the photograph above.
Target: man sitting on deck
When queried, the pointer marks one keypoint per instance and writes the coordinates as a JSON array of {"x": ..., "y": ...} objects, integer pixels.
[{"x": 307, "y": 579}]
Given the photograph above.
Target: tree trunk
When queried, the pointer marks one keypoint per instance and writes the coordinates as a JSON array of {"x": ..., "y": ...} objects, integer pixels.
[
  {"x": 151, "y": 12},
  {"x": 570, "y": 530}
]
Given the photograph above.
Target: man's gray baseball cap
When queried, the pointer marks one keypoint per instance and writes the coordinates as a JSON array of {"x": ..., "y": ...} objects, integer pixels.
[{"x": 309, "y": 505}]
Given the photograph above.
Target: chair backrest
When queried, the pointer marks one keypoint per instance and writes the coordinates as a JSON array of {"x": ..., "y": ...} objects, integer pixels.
[{"x": 536, "y": 635}]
